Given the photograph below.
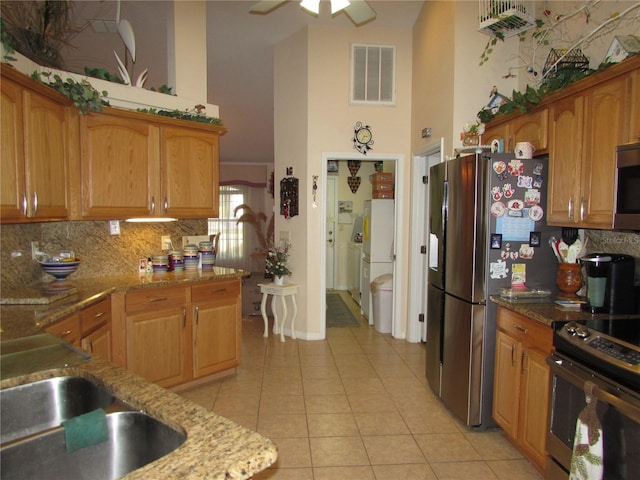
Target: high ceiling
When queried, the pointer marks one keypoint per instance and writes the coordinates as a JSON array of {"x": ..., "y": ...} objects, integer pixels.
[{"x": 239, "y": 56}]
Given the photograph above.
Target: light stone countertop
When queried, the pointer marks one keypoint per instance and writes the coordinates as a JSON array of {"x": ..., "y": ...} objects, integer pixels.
[
  {"x": 24, "y": 319},
  {"x": 549, "y": 312},
  {"x": 215, "y": 447}
]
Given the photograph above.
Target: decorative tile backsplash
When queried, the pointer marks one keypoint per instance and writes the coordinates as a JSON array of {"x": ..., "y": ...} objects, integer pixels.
[
  {"x": 603, "y": 241},
  {"x": 102, "y": 254}
]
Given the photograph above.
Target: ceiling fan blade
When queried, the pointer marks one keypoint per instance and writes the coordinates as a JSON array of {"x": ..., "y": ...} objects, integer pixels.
[
  {"x": 266, "y": 6},
  {"x": 360, "y": 12}
]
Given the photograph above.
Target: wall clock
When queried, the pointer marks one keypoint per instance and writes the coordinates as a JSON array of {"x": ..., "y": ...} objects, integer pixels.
[{"x": 362, "y": 138}]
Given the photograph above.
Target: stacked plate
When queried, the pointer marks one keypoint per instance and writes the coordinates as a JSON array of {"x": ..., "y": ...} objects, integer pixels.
[{"x": 191, "y": 257}]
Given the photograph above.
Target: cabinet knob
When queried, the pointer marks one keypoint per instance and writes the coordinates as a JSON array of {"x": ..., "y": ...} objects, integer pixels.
[
  {"x": 582, "y": 209},
  {"x": 157, "y": 299},
  {"x": 165, "y": 206},
  {"x": 153, "y": 205},
  {"x": 520, "y": 328}
]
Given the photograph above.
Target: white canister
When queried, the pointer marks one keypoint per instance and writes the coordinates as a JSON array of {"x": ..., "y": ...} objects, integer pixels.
[{"x": 524, "y": 150}]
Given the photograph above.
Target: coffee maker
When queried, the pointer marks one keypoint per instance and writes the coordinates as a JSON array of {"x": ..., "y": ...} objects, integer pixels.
[{"x": 610, "y": 286}]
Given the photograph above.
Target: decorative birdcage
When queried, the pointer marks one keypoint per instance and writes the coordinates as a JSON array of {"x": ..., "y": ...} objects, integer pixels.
[
  {"x": 573, "y": 61},
  {"x": 506, "y": 18}
]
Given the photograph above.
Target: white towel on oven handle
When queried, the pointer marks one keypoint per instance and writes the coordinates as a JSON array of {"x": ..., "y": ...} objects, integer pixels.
[{"x": 587, "y": 462}]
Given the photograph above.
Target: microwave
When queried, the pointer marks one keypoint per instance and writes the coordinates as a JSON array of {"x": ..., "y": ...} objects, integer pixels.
[{"x": 627, "y": 203}]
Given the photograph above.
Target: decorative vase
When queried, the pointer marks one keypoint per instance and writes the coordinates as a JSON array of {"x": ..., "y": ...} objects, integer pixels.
[
  {"x": 278, "y": 279},
  {"x": 569, "y": 278}
]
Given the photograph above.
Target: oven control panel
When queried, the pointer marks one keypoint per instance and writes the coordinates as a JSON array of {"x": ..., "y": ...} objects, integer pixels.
[{"x": 604, "y": 344}]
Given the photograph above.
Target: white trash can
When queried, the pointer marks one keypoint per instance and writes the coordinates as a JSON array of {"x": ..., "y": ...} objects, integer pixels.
[{"x": 382, "y": 293}]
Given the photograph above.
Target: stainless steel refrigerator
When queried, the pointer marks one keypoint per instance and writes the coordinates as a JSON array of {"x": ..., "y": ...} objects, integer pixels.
[{"x": 487, "y": 225}]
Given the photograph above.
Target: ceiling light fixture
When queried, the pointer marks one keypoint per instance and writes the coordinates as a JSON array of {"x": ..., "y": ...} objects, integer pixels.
[{"x": 313, "y": 6}]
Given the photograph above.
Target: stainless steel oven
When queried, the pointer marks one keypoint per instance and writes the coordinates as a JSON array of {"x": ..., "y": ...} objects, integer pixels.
[{"x": 584, "y": 354}]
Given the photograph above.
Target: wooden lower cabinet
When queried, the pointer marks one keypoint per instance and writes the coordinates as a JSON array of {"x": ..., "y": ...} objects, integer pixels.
[
  {"x": 98, "y": 343},
  {"x": 89, "y": 329},
  {"x": 176, "y": 335},
  {"x": 217, "y": 310},
  {"x": 521, "y": 383},
  {"x": 68, "y": 329},
  {"x": 157, "y": 345}
]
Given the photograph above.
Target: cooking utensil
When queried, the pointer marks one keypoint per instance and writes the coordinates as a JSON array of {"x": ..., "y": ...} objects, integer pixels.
[
  {"x": 569, "y": 235},
  {"x": 553, "y": 243},
  {"x": 563, "y": 248}
]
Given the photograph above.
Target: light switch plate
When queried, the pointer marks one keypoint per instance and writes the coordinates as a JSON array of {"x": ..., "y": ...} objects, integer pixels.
[{"x": 114, "y": 227}]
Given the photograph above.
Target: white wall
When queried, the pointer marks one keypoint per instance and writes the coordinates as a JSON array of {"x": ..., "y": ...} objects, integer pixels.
[{"x": 329, "y": 120}]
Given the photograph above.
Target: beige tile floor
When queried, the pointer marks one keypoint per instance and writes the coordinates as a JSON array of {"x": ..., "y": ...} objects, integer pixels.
[{"x": 354, "y": 406}]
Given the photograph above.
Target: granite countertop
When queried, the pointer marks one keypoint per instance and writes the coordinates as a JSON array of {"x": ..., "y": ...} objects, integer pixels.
[
  {"x": 215, "y": 447},
  {"x": 24, "y": 318},
  {"x": 549, "y": 312}
]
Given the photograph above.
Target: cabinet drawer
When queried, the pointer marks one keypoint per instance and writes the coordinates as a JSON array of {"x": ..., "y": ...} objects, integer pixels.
[
  {"x": 95, "y": 315},
  {"x": 155, "y": 299},
  {"x": 68, "y": 329},
  {"x": 525, "y": 330},
  {"x": 215, "y": 290}
]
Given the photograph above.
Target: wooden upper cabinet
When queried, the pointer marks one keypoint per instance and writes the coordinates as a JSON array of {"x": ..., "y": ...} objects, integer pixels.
[
  {"x": 36, "y": 146},
  {"x": 634, "y": 133},
  {"x": 134, "y": 165},
  {"x": 119, "y": 165},
  {"x": 565, "y": 154},
  {"x": 12, "y": 177},
  {"x": 532, "y": 127},
  {"x": 190, "y": 166},
  {"x": 585, "y": 130}
]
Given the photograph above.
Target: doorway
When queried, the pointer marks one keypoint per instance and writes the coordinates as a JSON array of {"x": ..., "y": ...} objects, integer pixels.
[
  {"x": 419, "y": 256},
  {"x": 348, "y": 203}
]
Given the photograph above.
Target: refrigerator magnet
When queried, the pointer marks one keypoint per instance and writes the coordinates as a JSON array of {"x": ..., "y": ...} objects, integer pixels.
[
  {"x": 508, "y": 190},
  {"x": 515, "y": 167},
  {"x": 536, "y": 213},
  {"x": 498, "y": 269},
  {"x": 534, "y": 239},
  {"x": 537, "y": 182},
  {"x": 498, "y": 209},
  {"x": 496, "y": 241},
  {"x": 496, "y": 193},
  {"x": 525, "y": 181},
  {"x": 526, "y": 251},
  {"x": 518, "y": 275},
  {"x": 532, "y": 197},
  {"x": 537, "y": 169}
]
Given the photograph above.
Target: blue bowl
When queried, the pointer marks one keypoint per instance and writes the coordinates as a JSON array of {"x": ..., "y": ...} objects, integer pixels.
[{"x": 60, "y": 270}]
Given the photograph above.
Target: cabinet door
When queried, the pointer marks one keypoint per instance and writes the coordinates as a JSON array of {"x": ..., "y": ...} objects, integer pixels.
[
  {"x": 634, "y": 134},
  {"x": 217, "y": 326},
  {"x": 605, "y": 126},
  {"x": 12, "y": 178},
  {"x": 190, "y": 166},
  {"x": 215, "y": 337},
  {"x": 47, "y": 152},
  {"x": 506, "y": 383},
  {"x": 157, "y": 346},
  {"x": 98, "y": 343},
  {"x": 532, "y": 128},
  {"x": 120, "y": 167},
  {"x": 534, "y": 396},
  {"x": 565, "y": 156}
]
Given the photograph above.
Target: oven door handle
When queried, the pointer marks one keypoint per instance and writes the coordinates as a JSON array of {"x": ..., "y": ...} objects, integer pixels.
[{"x": 578, "y": 378}]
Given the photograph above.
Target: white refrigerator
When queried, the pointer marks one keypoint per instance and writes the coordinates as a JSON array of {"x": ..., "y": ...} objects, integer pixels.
[{"x": 377, "y": 247}]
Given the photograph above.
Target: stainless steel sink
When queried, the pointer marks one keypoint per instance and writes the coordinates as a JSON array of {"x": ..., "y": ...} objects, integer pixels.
[
  {"x": 135, "y": 439},
  {"x": 37, "y": 406},
  {"x": 33, "y": 442}
]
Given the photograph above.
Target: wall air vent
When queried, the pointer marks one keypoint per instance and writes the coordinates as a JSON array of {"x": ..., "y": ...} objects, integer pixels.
[
  {"x": 373, "y": 74},
  {"x": 505, "y": 18}
]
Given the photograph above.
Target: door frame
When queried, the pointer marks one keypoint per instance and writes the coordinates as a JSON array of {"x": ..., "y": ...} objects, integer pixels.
[
  {"x": 335, "y": 221},
  {"x": 397, "y": 329},
  {"x": 422, "y": 161}
]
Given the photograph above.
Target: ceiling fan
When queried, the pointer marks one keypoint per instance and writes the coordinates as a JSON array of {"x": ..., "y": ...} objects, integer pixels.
[{"x": 358, "y": 11}]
